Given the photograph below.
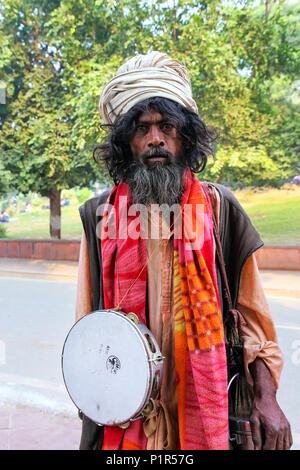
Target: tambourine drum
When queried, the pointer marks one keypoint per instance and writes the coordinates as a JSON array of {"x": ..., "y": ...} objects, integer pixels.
[{"x": 112, "y": 367}]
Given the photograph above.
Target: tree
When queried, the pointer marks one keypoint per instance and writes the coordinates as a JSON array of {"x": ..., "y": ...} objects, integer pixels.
[
  {"x": 37, "y": 147},
  {"x": 237, "y": 55},
  {"x": 265, "y": 39},
  {"x": 56, "y": 55}
]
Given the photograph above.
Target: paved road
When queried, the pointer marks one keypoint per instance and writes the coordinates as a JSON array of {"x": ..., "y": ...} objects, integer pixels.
[
  {"x": 36, "y": 412},
  {"x": 286, "y": 314},
  {"x": 36, "y": 315},
  {"x": 35, "y": 318}
]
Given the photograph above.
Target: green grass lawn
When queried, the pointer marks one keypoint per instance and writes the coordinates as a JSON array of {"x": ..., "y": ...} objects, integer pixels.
[
  {"x": 35, "y": 224},
  {"x": 275, "y": 214}
]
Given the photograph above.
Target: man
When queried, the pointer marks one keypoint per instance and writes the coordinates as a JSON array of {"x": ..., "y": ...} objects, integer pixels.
[{"x": 171, "y": 277}]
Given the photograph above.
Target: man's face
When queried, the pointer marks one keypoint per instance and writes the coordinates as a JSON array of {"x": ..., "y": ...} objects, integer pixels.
[
  {"x": 155, "y": 140},
  {"x": 155, "y": 175}
]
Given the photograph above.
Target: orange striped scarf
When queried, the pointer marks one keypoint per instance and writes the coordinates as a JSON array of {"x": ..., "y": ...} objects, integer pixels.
[{"x": 199, "y": 338}]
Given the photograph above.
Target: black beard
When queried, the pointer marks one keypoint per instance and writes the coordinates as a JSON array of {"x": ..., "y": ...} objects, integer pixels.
[{"x": 158, "y": 183}]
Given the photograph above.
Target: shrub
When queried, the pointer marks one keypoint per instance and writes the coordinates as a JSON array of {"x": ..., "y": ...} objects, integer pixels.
[
  {"x": 83, "y": 194},
  {"x": 2, "y": 231}
]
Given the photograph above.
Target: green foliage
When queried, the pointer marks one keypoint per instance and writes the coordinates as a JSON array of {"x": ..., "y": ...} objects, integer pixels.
[
  {"x": 2, "y": 231},
  {"x": 5, "y": 179},
  {"x": 55, "y": 56},
  {"x": 243, "y": 167},
  {"x": 83, "y": 195},
  {"x": 37, "y": 129}
]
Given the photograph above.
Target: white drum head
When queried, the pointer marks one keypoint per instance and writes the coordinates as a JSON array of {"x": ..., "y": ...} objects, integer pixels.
[{"x": 106, "y": 368}]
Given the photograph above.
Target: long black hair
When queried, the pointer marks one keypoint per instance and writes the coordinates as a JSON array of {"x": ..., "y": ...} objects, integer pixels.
[{"x": 197, "y": 139}]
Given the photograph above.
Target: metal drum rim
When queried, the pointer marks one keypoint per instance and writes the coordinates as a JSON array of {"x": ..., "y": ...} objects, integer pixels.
[{"x": 149, "y": 355}]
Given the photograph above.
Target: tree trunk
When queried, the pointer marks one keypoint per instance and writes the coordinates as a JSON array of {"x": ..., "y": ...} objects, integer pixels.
[{"x": 55, "y": 214}]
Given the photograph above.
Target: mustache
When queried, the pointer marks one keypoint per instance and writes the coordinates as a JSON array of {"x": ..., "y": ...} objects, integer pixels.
[{"x": 158, "y": 152}]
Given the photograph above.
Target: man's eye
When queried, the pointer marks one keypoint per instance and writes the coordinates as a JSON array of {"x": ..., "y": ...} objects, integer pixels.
[
  {"x": 141, "y": 128},
  {"x": 167, "y": 126}
]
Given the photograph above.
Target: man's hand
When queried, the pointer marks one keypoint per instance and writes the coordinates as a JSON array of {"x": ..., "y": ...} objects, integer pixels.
[{"x": 270, "y": 428}]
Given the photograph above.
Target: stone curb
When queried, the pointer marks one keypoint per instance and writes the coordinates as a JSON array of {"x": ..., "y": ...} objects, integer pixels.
[{"x": 286, "y": 258}]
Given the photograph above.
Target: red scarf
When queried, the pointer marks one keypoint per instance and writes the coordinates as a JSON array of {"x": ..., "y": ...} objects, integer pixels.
[{"x": 199, "y": 338}]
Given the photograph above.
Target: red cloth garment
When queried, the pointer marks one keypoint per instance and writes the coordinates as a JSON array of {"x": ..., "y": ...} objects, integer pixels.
[
  {"x": 200, "y": 355},
  {"x": 199, "y": 338}
]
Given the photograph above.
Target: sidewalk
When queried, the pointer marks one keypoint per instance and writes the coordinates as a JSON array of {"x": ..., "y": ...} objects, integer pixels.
[
  {"x": 276, "y": 283},
  {"x": 281, "y": 283},
  {"x": 41, "y": 269},
  {"x": 26, "y": 428}
]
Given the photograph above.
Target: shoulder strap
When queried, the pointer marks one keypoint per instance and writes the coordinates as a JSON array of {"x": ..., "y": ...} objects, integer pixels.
[
  {"x": 91, "y": 219},
  {"x": 233, "y": 319}
]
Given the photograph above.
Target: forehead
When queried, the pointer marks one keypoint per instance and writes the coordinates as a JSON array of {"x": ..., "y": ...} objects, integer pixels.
[{"x": 151, "y": 116}]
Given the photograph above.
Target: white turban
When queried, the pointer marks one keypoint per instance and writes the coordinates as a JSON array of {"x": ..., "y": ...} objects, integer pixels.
[{"x": 142, "y": 77}]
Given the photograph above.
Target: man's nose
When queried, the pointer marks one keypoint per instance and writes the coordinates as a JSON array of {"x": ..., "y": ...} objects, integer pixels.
[{"x": 156, "y": 137}]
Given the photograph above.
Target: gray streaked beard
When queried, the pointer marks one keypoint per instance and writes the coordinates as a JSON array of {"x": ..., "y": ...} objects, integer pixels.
[{"x": 160, "y": 183}]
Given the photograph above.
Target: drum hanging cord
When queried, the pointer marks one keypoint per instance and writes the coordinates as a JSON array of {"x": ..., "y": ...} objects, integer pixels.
[{"x": 118, "y": 307}]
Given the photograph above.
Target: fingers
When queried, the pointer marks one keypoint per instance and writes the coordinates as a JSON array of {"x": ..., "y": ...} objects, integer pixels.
[
  {"x": 281, "y": 442},
  {"x": 284, "y": 437},
  {"x": 269, "y": 426},
  {"x": 256, "y": 433},
  {"x": 288, "y": 439},
  {"x": 271, "y": 440},
  {"x": 267, "y": 437},
  {"x": 278, "y": 439}
]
